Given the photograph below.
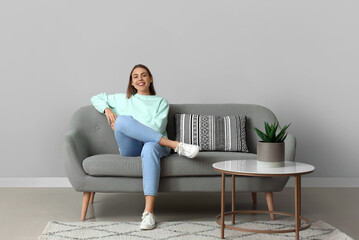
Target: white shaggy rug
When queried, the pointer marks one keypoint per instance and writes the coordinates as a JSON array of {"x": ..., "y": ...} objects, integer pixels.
[{"x": 184, "y": 230}]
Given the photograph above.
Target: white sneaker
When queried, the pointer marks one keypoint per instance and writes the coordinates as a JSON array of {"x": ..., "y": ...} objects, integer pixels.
[
  {"x": 148, "y": 221},
  {"x": 187, "y": 150}
]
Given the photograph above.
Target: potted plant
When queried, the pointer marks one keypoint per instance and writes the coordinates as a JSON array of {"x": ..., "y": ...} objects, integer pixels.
[{"x": 270, "y": 150}]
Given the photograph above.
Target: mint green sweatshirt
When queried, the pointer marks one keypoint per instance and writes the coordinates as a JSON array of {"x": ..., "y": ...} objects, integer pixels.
[{"x": 149, "y": 110}]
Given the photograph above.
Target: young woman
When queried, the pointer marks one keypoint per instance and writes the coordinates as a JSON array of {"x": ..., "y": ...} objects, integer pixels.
[{"x": 139, "y": 120}]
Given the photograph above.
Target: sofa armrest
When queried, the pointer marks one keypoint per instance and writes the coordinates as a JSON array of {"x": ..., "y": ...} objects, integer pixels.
[
  {"x": 290, "y": 147},
  {"x": 75, "y": 150}
]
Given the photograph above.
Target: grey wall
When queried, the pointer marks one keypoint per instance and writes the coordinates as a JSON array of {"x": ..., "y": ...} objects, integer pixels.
[{"x": 298, "y": 58}]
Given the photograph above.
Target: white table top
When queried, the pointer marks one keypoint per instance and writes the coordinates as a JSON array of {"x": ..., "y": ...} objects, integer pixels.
[{"x": 250, "y": 167}]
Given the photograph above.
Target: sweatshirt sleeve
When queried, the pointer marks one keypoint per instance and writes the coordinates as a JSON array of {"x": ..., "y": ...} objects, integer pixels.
[
  {"x": 160, "y": 120},
  {"x": 103, "y": 100}
]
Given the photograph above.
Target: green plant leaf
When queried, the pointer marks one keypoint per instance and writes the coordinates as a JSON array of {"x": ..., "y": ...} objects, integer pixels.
[
  {"x": 259, "y": 133},
  {"x": 272, "y": 135},
  {"x": 284, "y": 137},
  {"x": 281, "y": 133},
  {"x": 268, "y": 128},
  {"x": 262, "y": 135}
]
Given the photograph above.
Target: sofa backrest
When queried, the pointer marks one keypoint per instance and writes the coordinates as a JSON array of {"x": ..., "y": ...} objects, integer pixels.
[{"x": 93, "y": 125}]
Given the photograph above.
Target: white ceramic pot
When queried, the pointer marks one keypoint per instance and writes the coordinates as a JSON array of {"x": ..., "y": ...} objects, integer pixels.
[{"x": 270, "y": 154}]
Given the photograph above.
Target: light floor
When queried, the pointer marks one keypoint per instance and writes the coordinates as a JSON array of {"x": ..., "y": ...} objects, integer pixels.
[{"x": 24, "y": 212}]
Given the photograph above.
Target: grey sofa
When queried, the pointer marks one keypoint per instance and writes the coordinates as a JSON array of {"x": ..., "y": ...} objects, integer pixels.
[{"x": 93, "y": 163}]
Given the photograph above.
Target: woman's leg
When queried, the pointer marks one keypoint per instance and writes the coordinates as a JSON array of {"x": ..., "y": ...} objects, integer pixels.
[
  {"x": 150, "y": 203},
  {"x": 168, "y": 143},
  {"x": 136, "y": 130},
  {"x": 151, "y": 166},
  {"x": 127, "y": 125},
  {"x": 127, "y": 146}
]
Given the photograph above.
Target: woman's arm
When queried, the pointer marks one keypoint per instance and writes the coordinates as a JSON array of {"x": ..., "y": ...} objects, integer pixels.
[
  {"x": 103, "y": 100},
  {"x": 104, "y": 103},
  {"x": 160, "y": 119},
  {"x": 111, "y": 118}
]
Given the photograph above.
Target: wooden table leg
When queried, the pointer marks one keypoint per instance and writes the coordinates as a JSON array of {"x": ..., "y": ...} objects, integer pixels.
[
  {"x": 297, "y": 205},
  {"x": 233, "y": 197},
  {"x": 300, "y": 198},
  {"x": 222, "y": 204}
]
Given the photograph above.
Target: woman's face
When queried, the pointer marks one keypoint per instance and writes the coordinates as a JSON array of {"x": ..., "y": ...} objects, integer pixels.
[{"x": 141, "y": 81}]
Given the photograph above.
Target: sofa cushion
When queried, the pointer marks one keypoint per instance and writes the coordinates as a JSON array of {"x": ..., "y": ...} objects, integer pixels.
[
  {"x": 171, "y": 166},
  {"x": 212, "y": 133}
]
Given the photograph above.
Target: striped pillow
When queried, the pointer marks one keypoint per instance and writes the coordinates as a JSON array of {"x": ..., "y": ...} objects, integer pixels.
[{"x": 212, "y": 133}]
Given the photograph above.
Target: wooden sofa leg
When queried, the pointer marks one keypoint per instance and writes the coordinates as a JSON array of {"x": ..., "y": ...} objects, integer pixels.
[
  {"x": 92, "y": 197},
  {"x": 254, "y": 198},
  {"x": 270, "y": 203},
  {"x": 85, "y": 203}
]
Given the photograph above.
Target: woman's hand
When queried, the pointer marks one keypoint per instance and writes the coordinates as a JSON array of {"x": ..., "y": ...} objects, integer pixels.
[{"x": 111, "y": 117}]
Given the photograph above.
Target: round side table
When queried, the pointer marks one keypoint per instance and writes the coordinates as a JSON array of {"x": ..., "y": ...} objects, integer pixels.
[{"x": 249, "y": 168}]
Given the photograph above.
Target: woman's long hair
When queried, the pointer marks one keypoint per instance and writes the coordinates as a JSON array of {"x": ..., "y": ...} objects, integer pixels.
[{"x": 131, "y": 90}]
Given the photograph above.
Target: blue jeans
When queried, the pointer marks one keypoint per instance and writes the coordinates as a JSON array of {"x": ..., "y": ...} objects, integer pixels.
[{"x": 135, "y": 139}]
